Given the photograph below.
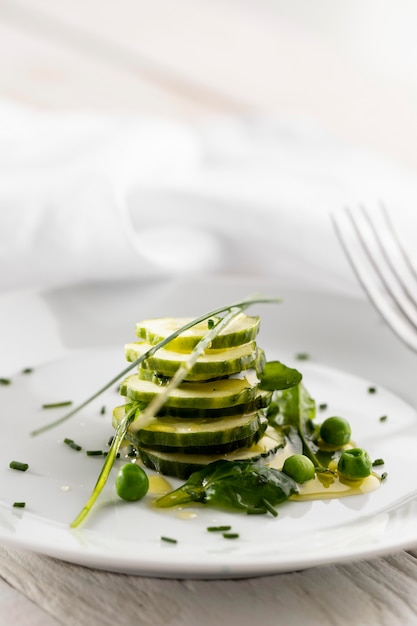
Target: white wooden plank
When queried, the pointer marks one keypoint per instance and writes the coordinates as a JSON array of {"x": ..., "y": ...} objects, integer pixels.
[
  {"x": 17, "y": 610},
  {"x": 380, "y": 591}
]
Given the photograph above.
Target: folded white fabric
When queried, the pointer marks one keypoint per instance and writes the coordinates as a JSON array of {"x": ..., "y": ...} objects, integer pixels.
[{"x": 88, "y": 197}]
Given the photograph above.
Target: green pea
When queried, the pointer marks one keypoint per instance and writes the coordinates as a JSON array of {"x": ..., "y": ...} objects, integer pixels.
[
  {"x": 132, "y": 482},
  {"x": 299, "y": 468},
  {"x": 354, "y": 464},
  {"x": 335, "y": 431}
]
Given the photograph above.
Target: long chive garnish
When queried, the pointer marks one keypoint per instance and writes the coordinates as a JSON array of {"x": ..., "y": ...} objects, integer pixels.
[
  {"x": 108, "y": 464},
  {"x": 239, "y": 305}
]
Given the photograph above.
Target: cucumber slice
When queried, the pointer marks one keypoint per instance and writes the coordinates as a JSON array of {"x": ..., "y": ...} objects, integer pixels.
[
  {"x": 212, "y": 364},
  {"x": 199, "y": 395},
  {"x": 169, "y": 432},
  {"x": 182, "y": 465},
  {"x": 260, "y": 401},
  {"x": 242, "y": 330}
]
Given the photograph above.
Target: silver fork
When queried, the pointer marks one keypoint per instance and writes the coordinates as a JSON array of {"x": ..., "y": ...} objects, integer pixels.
[{"x": 383, "y": 267}]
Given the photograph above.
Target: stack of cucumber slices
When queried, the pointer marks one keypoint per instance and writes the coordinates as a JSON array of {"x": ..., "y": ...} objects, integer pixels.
[{"x": 217, "y": 412}]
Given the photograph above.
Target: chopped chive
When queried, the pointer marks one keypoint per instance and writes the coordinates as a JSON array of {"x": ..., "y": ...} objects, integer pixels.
[
  {"x": 216, "y": 529},
  {"x": 210, "y": 324},
  {"x": 17, "y": 465},
  {"x": 5, "y": 381},
  {"x": 371, "y": 389},
  {"x": 71, "y": 443},
  {"x": 383, "y": 418},
  {"x": 105, "y": 453},
  {"x": 19, "y": 505},
  {"x": 102, "y": 410},
  {"x": 169, "y": 540},
  {"x": 27, "y": 370},
  {"x": 384, "y": 476},
  {"x": 110, "y": 441},
  {"x": 256, "y": 510},
  {"x": 378, "y": 462},
  {"x": 323, "y": 406},
  {"x": 269, "y": 507},
  {"x": 94, "y": 452},
  {"x": 231, "y": 535},
  {"x": 56, "y": 405},
  {"x": 302, "y": 356}
]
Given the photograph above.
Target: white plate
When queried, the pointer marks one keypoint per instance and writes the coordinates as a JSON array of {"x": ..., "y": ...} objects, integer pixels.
[{"x": 73, "y": 338}]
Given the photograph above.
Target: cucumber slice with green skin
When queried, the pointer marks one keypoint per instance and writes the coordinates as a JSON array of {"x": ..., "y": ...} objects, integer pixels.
[
  {"x": 169, "y": 432},
  {"x": 182, "y": 465},
  {"x": 219, "y": 449},
  {"x": 242, "y": 330},
  {"x": 196, "y": 395},
  {"x": 261, "y": 401},
  {"x": 213, "y": 364}
]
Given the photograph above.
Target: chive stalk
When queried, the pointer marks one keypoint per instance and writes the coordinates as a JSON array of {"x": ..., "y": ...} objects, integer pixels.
[
  {"x": 71, "y": 443},
  {"x": 169, "y": 539},
  {"x": 17, "y": 465},
  {"x": 268, "y": 506},
  {"x": 108, "y": 464},
  {"x": 56, "y": 405}
]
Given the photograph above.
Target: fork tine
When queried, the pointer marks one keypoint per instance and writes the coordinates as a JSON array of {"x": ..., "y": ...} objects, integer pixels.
[
  {"x": 370, "y": 254},
  {"x": 406, "y": 260},
  {"x": 401, "y": 247}
]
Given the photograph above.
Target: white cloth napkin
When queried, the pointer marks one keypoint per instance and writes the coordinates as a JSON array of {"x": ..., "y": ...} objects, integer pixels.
[{"x": 88, "y": 197}]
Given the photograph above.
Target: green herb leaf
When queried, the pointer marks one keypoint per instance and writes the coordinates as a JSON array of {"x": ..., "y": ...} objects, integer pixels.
[
  {"x": 276, "y": 375},
  {"x": 297, "y": 410},
  {"x": 241, "y": 485}
]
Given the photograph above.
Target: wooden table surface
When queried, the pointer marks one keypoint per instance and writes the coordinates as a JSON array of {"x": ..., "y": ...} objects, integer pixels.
[{"x": 349, "y": 66}]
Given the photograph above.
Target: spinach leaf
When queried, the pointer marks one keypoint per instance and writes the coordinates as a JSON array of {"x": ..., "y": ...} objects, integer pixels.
[
  {"x": 242, "y": 485},
  {"x": 276, "y": 375},
  {"x": 294, "y": 410}
]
